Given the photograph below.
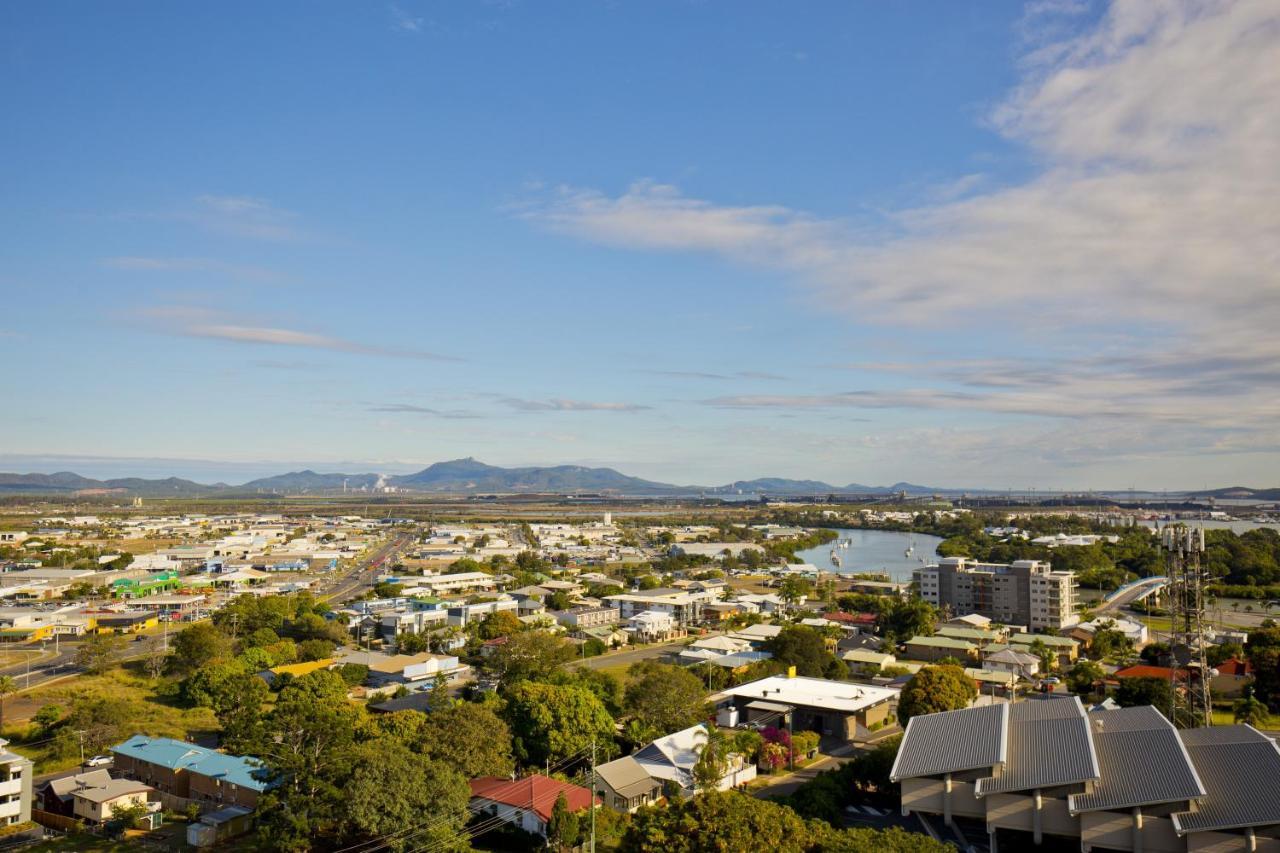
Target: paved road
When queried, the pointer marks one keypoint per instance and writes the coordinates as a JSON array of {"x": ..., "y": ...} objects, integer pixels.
[
  {"x": 361, "y": 576},
  {"x": 626, "y": 658}
]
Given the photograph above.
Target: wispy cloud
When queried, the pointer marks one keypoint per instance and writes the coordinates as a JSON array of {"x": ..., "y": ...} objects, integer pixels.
[
  {"x": 405, "y": 22},
  {"x": 197, "y": 322},
  {"x": 136, "y": 263},
  {"x": 410, "y": 409},
  {"x": 562, "y": 405},
  {"x": 698, "y": 374}
]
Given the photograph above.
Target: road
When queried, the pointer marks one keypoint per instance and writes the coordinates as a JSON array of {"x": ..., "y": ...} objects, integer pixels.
[
  {"x": 62, "y": 662},
  {"x": 626, "y": 658}
]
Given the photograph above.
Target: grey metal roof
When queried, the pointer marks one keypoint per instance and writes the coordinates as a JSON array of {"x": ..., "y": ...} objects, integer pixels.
[
  {"x": 1240, "y": 768},
  {"x": 1142, "y": 761},
  {"x": 1049, "y": 745},
  {"x": 627, "y": 777},
  {"x": 952, "y": 741}
]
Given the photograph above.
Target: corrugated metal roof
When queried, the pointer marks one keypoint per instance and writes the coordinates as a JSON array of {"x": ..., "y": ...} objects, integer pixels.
[
  {"x": 952, "y": 741},
  {"x": 1240, "y": 768},
  {"x": 1049, "y": 745},
  {"x": 1142, "y": 762}
]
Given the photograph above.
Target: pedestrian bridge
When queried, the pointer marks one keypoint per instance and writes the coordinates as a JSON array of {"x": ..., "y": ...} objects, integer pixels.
[{"x": 1131, "y": 592}]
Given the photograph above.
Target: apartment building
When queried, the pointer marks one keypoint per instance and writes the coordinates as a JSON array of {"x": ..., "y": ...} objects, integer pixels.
[
  {"x": 15, "y": 787},
  {"x": 1025, "y": 592}
]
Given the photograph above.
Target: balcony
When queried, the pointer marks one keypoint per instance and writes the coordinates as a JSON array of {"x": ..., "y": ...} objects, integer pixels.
[
  {"x": 13, "y": 786},
  {"x": 11, "y": 809}
]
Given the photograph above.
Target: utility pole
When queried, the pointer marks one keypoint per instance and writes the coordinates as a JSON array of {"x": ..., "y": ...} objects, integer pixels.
[
  {"x": 592, "y": 848},
  {"x": 80, "y": 735}
]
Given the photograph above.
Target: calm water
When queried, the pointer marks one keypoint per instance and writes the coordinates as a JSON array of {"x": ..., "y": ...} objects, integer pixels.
[
  {"x": 875, "y": 551},
  {"x": 1236, "y": 527}
]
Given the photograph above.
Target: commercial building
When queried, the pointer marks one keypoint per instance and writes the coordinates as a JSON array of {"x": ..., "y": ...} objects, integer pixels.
[
  {"x": 1025, "y": 592},
  {"x": 1115, "y": 779}
]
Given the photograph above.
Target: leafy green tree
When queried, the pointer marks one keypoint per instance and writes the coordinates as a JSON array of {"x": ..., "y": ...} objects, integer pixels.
[
  {"x": 468, "y": 737},
  {"x": 99, "y": 652},
  {"x": 901, "y": 619},
  {"x": 504, "y": 623},
  {"x": 391, "y": 790},
  {"x": 564, "y": 830},
  {"x": 353, "y": 674},
  {"x": 1084, "y": 676},
  {"x": 48, "y": 717},
  {"x": 665, "y": 697},
  {"x": 550, "y": 723},
  {"x": 793, "y": 589},
  {"x": 1249, "y": 710},
  {"x": 528, "y": 656},
  {"x": 607, "y": 686},
  {"x": 315, "y": 649},
  {"x": 1048, "y": 658},
  {"x": 934, "y": 689},
  {"x": 805, "y": 648},
  {"x": 198, "y": 645},
  {"x": 412, "y": 644},
  {"x": 1145, "y": 691}
]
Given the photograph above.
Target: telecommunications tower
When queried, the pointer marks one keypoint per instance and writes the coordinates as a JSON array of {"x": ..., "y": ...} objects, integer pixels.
[{"x": 1189, "y": 703}]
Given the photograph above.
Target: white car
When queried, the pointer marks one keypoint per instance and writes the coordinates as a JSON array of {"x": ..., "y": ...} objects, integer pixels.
[{"x": 98, "y": 761}]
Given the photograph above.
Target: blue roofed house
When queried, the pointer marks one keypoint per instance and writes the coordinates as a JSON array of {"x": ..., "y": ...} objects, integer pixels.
[{"x": 192, "y": 772}]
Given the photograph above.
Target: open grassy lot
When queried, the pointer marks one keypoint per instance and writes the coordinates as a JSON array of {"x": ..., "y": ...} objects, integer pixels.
[{"x": 121, "y": 702}]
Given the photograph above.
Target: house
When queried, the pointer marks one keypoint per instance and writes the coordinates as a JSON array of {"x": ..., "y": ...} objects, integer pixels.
[
  {"x": 588, "y": 617},
  {"x": 1233, "y": 675},
  {"x": 863, "y": 661},
  {"x": 190, "y": 771},
  {"x": 1067, "y": 649},
  {"x": 97, "y": 803},
  {"x": 837, "y": 708},
  {"x": 938, "y": 648},
  {"x": 672, "y": 758},
  {"x": 15, "y": 787},
  {"x": 1021, "y": 664},
  {"x": 387, "y": 669},
  {"x": 55, "y": 795},
  {"x": 978, "y": 636},
  {"x": 625, "y": 785},
  {"x": 1118, "y": 779},
  {"x": 651, "y": 627},
  {"x": 757, "y": 635},
  {"x": 1134, "y": 632},
  {"x": 685, "y": 608},
  {"x": 527, "y": 802}
]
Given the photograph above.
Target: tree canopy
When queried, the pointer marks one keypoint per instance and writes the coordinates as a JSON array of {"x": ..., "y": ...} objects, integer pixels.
[
  {"x": 665, "y": 698},
  {"x": 934, "y": 689}
]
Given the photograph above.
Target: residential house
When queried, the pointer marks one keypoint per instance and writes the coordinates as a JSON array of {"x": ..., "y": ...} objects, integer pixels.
[
  {"x": 651, "y": 627},
  {"x": 55, "y": 795},
  {"x": 526, "y": 803},
  {"x": 1024, "y": 665},
  {"x": 97, "y": 803},
  {"x": 625, "y": 785},
  {"x": 588, "y": 617},
  {"x": 1067, "y": 649},
  {"x": 672, "y": 758},
  {"x": 834, "y": 708},
  {"x": 1233, "y": 676},
  {"x": 937, "y": 648},
  {"x": 867, "y": 661}
]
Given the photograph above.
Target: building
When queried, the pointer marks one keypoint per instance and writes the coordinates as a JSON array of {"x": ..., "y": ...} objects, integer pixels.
[
  {"x": 55, "y": 795},
  {"x": 193, "y": 772},
  {"x": 527, "y": 802},
  {"x": 97, "y": 803},
  {"x": 651, "y": 626},
  {"x": 1022, "y": 664},
  {"x": 867, "y": 661},
  {"x": 625, "y": 785},
  {"x": 15, "y": 787},
  {"x": 939, "y": 648},
  {"x": 672, "y": 758},
  {"x": 1025, "y": 592},
  {"x": 835, "y": 708},
  {"x": 1115, "y": 779},
  {"x": 683, "y": 606},
  {"x": 588, "y": 617}
]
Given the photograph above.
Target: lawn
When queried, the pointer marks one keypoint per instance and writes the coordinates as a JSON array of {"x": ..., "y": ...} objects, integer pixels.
[{"x": 140, "y": 703}]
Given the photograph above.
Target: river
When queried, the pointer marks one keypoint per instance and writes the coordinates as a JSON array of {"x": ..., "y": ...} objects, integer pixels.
[{"x": 878, "y": 551}]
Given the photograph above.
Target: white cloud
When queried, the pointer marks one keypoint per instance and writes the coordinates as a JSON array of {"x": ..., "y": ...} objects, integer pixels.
[
  {"x": 245, "y": 216},
  {"x": 403, "y": 21},
  {"x": 562, "y": 405},
  {"x": 1154, "y": 211},
  {"x": 135, "y": 263}
]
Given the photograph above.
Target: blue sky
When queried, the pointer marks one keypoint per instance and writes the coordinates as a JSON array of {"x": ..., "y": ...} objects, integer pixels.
[{"x": 997, "y": 244}]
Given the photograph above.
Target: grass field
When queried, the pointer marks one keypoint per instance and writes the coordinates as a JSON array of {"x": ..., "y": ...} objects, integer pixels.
[{"x": 139, "y": 704}]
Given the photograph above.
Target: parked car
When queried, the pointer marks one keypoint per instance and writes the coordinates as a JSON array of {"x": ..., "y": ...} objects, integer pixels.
[{"x": 99, "y": 761}]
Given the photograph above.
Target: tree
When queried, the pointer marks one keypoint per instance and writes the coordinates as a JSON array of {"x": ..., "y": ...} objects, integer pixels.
[
  {"x": 1048, "y": 658},
  {"x": 900, "y": 619},
  {"x": 468, "y": 737},
  {"x": 315, "y": 649},
  {"x": 934, "y": 689},
  {"x": 793, "y": 589},
  {"x": 7, "y": 686},
  {"x": 391, "y": 790},
  {"x": 1084, "y": 676},
  {"x": 47, "y": 718},
  {"x": 713, "y": 759},
  {"x": 550, "y": 723},
  {"x": 411, "y": 644},
  {"x": 528, "y": 656},
  {"x": 805, "y": 648},
  {"x": 198, "y": 645},
  {"x": 1145, "y": 691},
  {"x": 503, "y": 623},
  {"x": 1249, "y": 710},
  {"x": 97, "y": 653},
  {"x": 607, "y": 686},
  {"x": 564, "y": 829},
  {"x": 665, "y": 697}
]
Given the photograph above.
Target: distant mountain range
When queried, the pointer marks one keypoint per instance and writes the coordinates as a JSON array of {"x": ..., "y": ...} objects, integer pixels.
[{"x": 470, "y": 476}]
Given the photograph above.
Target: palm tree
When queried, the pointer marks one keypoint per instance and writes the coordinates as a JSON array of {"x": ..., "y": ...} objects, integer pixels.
[
  {"x": 7, "y": 686},
  {"x": 713, "y": 760}
]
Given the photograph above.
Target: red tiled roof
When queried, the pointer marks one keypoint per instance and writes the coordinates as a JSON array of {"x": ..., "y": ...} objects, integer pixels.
[
  {"x": 1233, "y": 666},
  {"x": 1146, "y": 671},
  {"x": 537, "y": 794},
  {"x": 851, "y": 618}
]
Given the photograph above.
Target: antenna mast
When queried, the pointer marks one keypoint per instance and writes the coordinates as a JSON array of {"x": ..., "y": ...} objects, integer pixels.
[{"x": 1183, "y": 546}]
